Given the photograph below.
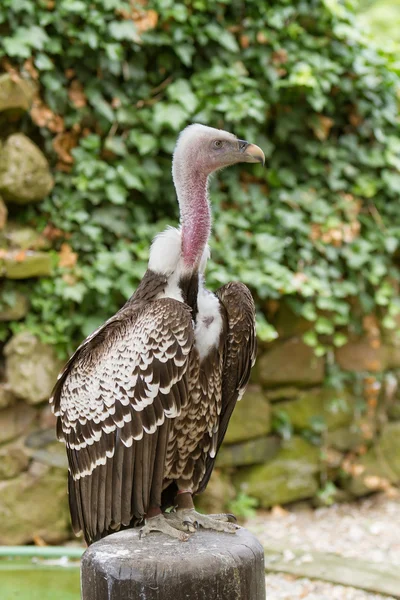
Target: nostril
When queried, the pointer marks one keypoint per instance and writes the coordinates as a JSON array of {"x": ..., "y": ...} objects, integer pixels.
[{"x": 242, "y": 145}]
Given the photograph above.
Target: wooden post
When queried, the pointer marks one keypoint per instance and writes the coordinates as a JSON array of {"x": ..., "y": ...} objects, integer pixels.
[{"x": 210, "y": 566}]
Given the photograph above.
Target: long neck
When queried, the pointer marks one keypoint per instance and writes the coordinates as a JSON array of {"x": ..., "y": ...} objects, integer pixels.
[{"x": 191, "y": 188}]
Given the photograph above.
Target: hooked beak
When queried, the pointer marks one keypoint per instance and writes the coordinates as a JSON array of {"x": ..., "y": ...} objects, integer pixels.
[{"x": 251, "y": 153}]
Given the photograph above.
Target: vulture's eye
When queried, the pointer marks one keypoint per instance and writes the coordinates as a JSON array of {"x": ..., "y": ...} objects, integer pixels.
[{"x": 218, "y": 144}]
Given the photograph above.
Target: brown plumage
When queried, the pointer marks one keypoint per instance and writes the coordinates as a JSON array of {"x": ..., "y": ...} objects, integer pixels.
[{"x": 144, "y": 403}]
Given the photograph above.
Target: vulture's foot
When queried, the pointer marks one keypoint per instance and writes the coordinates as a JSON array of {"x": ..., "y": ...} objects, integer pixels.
[
  {"x": 181, "y": 522},
  {"x": 227, "y": 517},
  {"x": 214, "y": 522},
  {"x": 159, "y": 523}
]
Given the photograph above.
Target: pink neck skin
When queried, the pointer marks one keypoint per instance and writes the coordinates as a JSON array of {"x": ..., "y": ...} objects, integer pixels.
[{"x": 191, "y": 188}]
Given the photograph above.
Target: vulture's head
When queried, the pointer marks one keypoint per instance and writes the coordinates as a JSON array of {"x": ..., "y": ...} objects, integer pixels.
[{"x": 207, "y": 149}]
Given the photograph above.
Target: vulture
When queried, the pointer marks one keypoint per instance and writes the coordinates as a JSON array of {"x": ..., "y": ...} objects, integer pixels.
[{"x": 144, "y": 403}]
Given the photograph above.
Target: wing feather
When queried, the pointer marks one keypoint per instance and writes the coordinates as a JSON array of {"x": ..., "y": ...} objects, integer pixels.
[
  {"x": 239, "y": 357},
  {"x": 114, "y": 401}
]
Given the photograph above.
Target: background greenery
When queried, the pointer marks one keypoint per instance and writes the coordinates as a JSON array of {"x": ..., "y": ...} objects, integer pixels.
[
  {"x": 320, "y": 226},
  {"x": 383, "y": 18}
]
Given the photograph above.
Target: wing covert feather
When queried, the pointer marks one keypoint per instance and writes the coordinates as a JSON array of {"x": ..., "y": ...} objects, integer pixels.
[
  {"x": 114, "y": 402},
  {"x": 239, "y": 356}
]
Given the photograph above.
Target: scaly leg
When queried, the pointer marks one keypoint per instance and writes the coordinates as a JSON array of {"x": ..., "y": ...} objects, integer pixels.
[
  {"x": 156, "y": 521},
  {"x": 186, "y": 512}
]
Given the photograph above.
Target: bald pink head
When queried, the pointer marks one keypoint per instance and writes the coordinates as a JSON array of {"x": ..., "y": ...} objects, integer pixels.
[{"x": 200, "y": 151}]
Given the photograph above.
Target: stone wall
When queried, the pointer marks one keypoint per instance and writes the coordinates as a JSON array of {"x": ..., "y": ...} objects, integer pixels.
[
  {"x": 33, "y": 501},
  {"x": 290, "y": 438},
  {"x": 293, "y": 438}
]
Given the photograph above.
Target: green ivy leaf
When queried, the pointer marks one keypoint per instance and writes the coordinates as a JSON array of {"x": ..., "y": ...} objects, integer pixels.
[
  {"x": 116, "y": 193},
  {"x": 172, "y": 115}
]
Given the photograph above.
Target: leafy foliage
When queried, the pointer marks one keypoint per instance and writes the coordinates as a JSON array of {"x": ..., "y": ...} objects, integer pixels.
[
  {"x": 243, "y": 506},
  {"x": 319, "y": 226},
  {"x": 383, "y": 18}
]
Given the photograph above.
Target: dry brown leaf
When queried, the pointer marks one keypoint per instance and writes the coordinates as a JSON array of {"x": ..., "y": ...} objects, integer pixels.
[
  {"x": 7, "y": 66},
  {"x": 261, "y": 38},
  {"x": 145, "y": 20},
  {"x": 371, "y": 327},
  {"x": 244, "y": 41},
  {"x": 142, "y": 18},
  {"x": 67, "y": 256},
  {"x": 53, "y": 233},
  {"x": 355, "y": 119},
  {"x": 357, "y": 470},
  {"x": 373, "y": 482},
  {"x": 125, "y": 14},
  {"x": 63, "y": 143},
  {"x": 43, "y": 116},
  {"x": 76, "y": 94},
  {"x": 279, "y": 512},
  {"x": 374, "y": 365},
  {"x": 31, "y": 69},
  {"x": 279, "y": 57},
  {"x": 20, "y": 256},
  {"x": 63, "y": 167},
  {"x": 342, "y": 233},
  {"x": 39, "y": 541},
  {"x": 322, "y": 127}
]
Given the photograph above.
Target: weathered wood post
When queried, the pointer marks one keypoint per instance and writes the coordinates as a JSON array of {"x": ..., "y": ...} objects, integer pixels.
[{"x": 210, "y": 566}]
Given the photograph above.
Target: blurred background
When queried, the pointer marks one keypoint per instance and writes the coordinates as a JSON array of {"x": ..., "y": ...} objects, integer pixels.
[{"x": 92, "y": 98}]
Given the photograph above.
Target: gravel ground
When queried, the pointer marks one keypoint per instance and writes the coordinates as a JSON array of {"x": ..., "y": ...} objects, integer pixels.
[
  {"x": 369, "y": 529},
  {"x": 286, "y": 587}
]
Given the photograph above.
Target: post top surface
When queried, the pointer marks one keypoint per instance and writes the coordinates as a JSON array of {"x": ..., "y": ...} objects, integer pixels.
[{"x": 126, "y": 546}]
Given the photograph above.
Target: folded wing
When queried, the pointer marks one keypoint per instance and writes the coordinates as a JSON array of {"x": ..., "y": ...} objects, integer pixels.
[
  {"x": 239, "y": 356},
  {"x": 115, "y": 402}
]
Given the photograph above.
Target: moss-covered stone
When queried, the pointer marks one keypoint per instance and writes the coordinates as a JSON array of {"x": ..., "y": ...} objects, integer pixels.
[
  {"x": 290, "y": 363},
  {"x": 31, "y": 367},
  {"x": 316, "y": 409},
  {"x": 15, "y": 309},
  {"x": 345, "y": 438},
  {"x": 7, "y": 398},
  {"x": 381, "y": 464},
  {"x": 290, "y": 476},
  {"x": 13, "y": 460},
  {"x": 15, "y": 421},
  {"x": 282, "y": 393},
  {"x": 359, "y": 355},
  {"x": 3, "y": 213},
  {"x": 220, "y": 491},
  {"x": 24, "y": 171},
  {"x": 15, "y": 93},
  {"x": 253, "y": 452},
  {"x": 53, "y": 455},
  {"x": 21, "y": 237},
  {"x": 34, "y": 504},
  {"x": 18, "y": 264},
  {"x": 251, "y": 417}
]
